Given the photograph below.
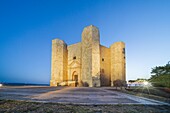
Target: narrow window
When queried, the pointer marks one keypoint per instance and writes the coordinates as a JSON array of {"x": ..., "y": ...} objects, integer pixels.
[
  {"x": 123, "y": 51},
  {"x": 74, "y": 57}
]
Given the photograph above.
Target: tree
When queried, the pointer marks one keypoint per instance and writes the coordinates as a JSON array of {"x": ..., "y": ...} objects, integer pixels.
[
  {"x": 161, "y": 76},
  {"x": 160, "y": 70}
]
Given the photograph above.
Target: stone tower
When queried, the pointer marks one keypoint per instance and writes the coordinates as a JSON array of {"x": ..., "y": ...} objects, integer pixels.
[
  {"x": 58, "y": 62},
  {"x": 87, "y": 63},
  {"x": 91, "y": 56},
  {"x": 117, "y": 61}
]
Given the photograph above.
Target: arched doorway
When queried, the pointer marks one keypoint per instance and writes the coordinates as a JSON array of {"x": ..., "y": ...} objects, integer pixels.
[{"x": 75, "y": 78}]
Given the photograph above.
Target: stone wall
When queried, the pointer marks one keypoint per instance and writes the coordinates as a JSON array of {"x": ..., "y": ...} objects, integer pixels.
[
  {"x": 95, "y": 56},
  {"x": 105, "y": 66},
  {"x": 59, "y": 62},
  {"x": 74, "y": 61},
  {"x": 117, "y": 61}
]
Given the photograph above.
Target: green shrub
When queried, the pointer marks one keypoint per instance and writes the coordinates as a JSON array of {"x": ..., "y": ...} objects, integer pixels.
[{"x": 161, "y": 81}]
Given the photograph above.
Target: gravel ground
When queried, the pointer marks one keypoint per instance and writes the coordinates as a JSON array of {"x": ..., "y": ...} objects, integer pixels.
[{"x": 73, "y": 95}]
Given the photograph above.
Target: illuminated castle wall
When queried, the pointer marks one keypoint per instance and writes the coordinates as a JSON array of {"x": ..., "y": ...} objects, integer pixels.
[{"x": 87, "y": 63}]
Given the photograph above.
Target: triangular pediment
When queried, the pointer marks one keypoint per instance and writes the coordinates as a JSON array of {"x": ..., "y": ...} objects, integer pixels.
[{"x": 74, "y": 64}]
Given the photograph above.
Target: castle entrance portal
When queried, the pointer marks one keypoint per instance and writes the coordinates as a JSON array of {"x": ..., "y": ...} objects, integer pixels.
[{"x": 75, "y": 78}]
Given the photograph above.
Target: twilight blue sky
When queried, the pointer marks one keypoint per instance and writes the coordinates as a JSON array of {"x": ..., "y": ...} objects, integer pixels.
[{"x": 28, "y": 26}]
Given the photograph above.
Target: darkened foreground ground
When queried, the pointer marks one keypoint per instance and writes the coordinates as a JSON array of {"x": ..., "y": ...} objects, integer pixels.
[
  {"x": 156, "y": 93},
  {"x": 73, "y": 95},
  {"x": 9, "y": 106}
]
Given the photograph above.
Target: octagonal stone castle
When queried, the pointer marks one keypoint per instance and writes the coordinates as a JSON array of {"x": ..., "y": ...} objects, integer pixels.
[{"x": 87, "y": 63}]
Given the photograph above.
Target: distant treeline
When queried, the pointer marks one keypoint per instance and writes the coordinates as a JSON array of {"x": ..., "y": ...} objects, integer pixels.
[{"x": 160, "y": 76}]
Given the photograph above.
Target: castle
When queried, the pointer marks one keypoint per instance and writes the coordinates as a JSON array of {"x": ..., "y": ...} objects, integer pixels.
[{"x": 87, "y": 63}]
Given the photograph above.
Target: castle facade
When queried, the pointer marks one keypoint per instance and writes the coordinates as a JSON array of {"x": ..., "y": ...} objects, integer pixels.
[{"x": 87, "y": 63}]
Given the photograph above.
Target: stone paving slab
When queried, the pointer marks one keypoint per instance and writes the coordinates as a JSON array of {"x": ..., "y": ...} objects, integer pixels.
[{"x": 73, "y": 95}]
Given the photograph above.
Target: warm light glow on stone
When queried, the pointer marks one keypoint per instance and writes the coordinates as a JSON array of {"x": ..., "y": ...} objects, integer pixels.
[{"x": 88, "y": 62}]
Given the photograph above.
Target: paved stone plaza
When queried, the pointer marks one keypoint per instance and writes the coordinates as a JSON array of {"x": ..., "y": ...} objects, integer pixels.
[{"x": 73, "y": 95}]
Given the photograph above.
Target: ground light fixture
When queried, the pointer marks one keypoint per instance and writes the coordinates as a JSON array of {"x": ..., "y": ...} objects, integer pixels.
[
  {"x": 146, "y": 84},
  {"x": 1, "y": 85}
]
